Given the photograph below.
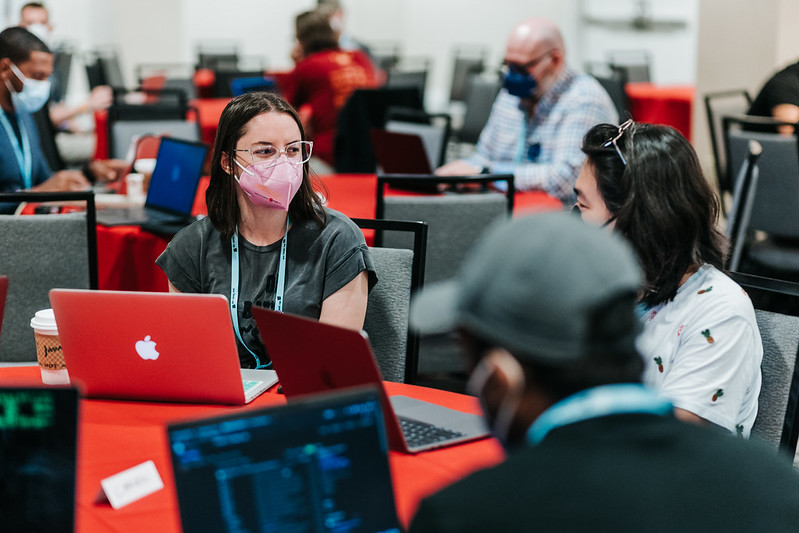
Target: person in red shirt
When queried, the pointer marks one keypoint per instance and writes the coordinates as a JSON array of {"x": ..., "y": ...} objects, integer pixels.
[{"x": 323, "y": 78}]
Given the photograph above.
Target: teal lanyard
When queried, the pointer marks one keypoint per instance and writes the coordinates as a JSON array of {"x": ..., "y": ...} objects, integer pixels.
[
  {"x": 234, "y": 286},
  {"x": 23, "y": 154},
  {"x": 521, "y": 145},
  {"x": 606, "y": 400}
]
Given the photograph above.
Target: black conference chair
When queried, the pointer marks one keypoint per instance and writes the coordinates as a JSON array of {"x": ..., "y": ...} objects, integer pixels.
[
  {"x": 719, "y": 104},
  {"x": 401, "y": 273},
  {"x": 614, "y": 81},
  {"x": 468, "y": 61},
  {"x": 777, "y": 310},
  {"x": 767, "y": 202},
  {"x": 456, "y": 219},
  {"x": 366, "y": 109}
]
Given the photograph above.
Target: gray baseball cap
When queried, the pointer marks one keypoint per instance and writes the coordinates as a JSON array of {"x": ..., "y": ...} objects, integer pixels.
[{"x": 533, "y": 284}]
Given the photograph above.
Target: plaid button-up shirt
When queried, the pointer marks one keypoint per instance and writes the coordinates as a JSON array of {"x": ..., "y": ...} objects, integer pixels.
[{"x": 551, "y": 157}]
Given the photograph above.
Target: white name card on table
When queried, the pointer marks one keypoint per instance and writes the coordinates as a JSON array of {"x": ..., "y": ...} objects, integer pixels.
[{"x": 131, "y": 484}]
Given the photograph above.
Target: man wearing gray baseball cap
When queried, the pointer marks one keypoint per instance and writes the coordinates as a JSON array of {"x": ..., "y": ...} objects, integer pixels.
[{"x": 545, "y": 307}]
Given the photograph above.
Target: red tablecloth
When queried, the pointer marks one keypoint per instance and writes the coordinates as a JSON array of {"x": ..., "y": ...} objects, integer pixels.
[
  {"x": 662, "y": 104},
  {"x": 126, "y": 254},
  {"x": 116, "y": 435}
]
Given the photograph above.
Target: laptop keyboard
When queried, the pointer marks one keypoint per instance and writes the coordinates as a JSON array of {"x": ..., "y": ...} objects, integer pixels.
[
  {"x": 422, "y": 434},
  {"x": 249, "y": 385}
]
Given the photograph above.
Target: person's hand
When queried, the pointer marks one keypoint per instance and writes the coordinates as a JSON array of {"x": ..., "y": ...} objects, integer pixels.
[
  {"x": 64, "y": 180},
  {"x": 100, "y": 98},
  {"x": 457, "y": 168},
  {"x": 108, "y": 169}
]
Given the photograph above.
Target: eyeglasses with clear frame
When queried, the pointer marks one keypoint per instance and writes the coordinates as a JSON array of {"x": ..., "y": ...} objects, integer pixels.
[
  {"x": 507, "y": 68},
  {"x": 622, "y": 128},
  {"x": 297, "y": 153}
]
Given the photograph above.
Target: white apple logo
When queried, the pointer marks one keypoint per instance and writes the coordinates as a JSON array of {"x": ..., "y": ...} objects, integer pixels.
[{"x": 146, "y": 349}]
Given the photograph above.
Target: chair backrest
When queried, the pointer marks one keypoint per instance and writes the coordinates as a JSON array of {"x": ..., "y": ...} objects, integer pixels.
[
  {"x": 122, "y": 133},
  {"x": 385, "y": 55},
  {"x": 613, "y": 80},
  {"x": 415, "y": 78},
  {"x": 468, "y": 62},
  {"x": 217, "y": 55},
  {"x": 480, "y": 96},
  {"x": 42, "y": 252},
  {"x": 224, "y": 78},
  {"x": 400, "y": 273},
  {"x": 717, "y": 105},
  {"x": 775, "y": 199},
  {"x": 455, "y": 219},
  {"x": 62, "y": 67},
  {"x": 366, "y": 109},
  {"x": 777, "y": 419},
  {"x": 635, "y": 63},
  {"x": 103, "y": 67}
]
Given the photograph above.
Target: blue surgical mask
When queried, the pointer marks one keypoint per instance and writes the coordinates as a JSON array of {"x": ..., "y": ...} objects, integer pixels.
[
  {"x": 519, "y": 84},
  {"x": 34, "y": 93}
]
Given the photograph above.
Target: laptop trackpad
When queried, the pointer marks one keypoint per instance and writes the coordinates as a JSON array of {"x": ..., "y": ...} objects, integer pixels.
[{"x": 472, "y": 425}]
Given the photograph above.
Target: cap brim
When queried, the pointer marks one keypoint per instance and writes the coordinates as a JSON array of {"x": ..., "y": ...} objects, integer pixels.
[{"x": 434, "y": 309}]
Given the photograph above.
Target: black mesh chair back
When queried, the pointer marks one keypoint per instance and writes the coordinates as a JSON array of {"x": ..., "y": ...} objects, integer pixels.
[
  {"x": 366, "y": 109},
  {"x": 717, "y": 105}
]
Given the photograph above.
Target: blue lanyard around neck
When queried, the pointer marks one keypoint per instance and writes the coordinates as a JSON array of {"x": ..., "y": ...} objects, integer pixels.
[
  {"x": 234, "y": 286},
  {"x": 623, "y": 398},
  {"x": 521, "y": 145},
  {"x": 23, "y": 154}
]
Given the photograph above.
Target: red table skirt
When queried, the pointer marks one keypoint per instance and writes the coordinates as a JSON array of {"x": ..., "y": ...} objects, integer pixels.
[
  {"x": 662, "y": 104},
  {"x": 126, "y": 254},
  {"x": 116, "y": 435}
]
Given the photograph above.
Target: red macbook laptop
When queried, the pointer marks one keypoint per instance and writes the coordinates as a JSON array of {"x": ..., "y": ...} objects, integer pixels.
[
  {"x": 312, "y": 357},
  {"x": 154, "y": 346}
]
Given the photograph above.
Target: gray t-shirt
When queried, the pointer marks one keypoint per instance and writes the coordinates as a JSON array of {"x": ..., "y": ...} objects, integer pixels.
[{"x": 319, "y": 262}]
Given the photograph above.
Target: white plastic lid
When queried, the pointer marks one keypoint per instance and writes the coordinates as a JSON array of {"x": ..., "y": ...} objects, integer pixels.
[
  {"x": 145, "y": 166},
  {"x": 44, "y": 322}
]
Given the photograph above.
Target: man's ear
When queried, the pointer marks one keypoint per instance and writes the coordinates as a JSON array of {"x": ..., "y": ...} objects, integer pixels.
[
  {"x": 508, "y": 372},
  {"x": 5, "y": 68}
]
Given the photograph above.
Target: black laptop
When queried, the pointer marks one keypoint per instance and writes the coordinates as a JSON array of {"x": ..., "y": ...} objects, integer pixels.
[
  {"x": 38, "y": 446},
  {"x": 173, "y": 186},
  {"x": 317, "y": 464}
]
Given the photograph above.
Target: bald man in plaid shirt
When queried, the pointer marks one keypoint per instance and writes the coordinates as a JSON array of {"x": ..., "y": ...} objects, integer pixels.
[{"x": 539, "y": 117}]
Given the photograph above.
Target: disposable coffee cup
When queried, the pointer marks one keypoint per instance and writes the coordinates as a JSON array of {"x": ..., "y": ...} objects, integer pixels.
[
  {"x": 134, "y": 184},
  {"x": 48, "y": 348}
]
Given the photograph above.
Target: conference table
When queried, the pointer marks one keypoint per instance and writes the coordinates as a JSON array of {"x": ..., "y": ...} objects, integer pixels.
[
  {"x": 114, "y": 435},
  {"x": 126, "y": 254}
]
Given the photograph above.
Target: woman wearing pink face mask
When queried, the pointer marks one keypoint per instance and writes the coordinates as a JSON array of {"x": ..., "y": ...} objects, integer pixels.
[{"x": 267, "y": 240}]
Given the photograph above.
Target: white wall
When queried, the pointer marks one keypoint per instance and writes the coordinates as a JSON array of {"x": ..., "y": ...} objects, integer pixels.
[
  {"x": 725, "y": 43},
  {"x": 737, "y": 49},
  {"x": 671, "y": 48}
]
